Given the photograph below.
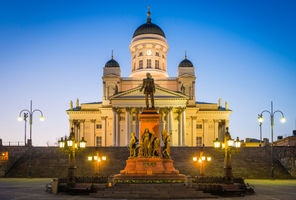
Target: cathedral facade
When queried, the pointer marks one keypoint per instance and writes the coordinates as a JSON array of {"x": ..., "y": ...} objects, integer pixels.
[{"x": 111, "y": 121}]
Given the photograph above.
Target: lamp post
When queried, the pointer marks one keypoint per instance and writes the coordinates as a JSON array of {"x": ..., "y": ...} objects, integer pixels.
[
  {"x": 97, "y": 159},
  {"x": 29, "y": 112},
  {"x": 260, "y": 119},
  {"x": 25, "y": 119},
  {"x": 227, "y": 145},
  {"x": 69, "y": 146},
  {"x": 202, "y": 159},
  {"x": 283, "y": 120}
]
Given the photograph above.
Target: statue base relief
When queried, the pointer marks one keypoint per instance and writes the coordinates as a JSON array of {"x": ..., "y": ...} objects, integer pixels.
[{"x": 142, "y": 167}]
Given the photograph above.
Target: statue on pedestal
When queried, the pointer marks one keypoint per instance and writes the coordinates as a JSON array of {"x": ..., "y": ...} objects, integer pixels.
[{"x": 149, "y": 90}]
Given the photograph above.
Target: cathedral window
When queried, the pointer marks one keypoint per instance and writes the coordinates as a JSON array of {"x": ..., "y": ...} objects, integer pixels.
[
  {"x": 140, "y": 54},
  {"x": 99, "y": 126},
  {"x": 121, "y": 118},
  {"x": 156, "y": 64},
  {"x": 157, "y": 54},
  {"x": 198, "y": 126},
  {"x": 199, "y": 141},
  {"x": 141, "y": 64},
  {"x": 148, "y": 63},
  {"x": 99, "y": 141}
]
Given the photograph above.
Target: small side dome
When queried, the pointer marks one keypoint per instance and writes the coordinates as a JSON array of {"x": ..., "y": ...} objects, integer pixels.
[
  {"x": 112, "y": 63},
  {"x": 185, "y": 62}
]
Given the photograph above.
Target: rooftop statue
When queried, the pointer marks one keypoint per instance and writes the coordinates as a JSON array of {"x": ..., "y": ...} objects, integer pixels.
[{"x": 149, "y": 89}]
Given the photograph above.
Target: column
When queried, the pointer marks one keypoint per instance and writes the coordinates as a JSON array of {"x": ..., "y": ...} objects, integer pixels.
[
  {"x": 137, "y": 124},
  {"x": 104, "y": 128},
  {"x": 114, "y": 126},
  {"x": 127, "y": 119},
  {"x": 226, "y": 123},
  {"x": 164, "y": 120},
  {"x": 216, "y": 124},
  {"x": 94, "y": 131},
  {"x": 118, "y": 127},
  {"x": 183, "y": 126},
  {"x": 81, "y": 129},
  {"x": 191, "y": 131},
  {"x": 180, "y": 117},
  {"x": 163, "y": 124},
  {"x": 203, "y": 132},
  {"x": 194, "y": 131},
  {"x": 170, "y": 110}
]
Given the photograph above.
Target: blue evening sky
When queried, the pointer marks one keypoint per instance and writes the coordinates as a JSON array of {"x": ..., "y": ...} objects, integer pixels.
[{"x": 54, "y": 51}]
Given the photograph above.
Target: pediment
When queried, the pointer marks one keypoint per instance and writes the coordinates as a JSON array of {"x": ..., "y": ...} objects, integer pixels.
[{"x": 160, "y": 93}]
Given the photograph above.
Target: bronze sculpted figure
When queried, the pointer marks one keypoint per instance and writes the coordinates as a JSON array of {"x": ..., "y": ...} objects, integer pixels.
[
  {"x": 133, "y": 146},
  {"x": 149, "y": 89},
  {"x": 155, "y": 146},
  {"x": 146, "y": 144},
  {"x": 166, "y": 138}
]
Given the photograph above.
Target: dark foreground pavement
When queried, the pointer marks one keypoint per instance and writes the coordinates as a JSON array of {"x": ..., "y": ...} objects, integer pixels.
[{"x": 31, "y": 189}]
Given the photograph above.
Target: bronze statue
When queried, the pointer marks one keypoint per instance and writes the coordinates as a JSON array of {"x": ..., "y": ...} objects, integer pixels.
[
  {"x": 146, "y": 144},
  {"x": 166, "y": 138},
  {"x": 155, "y": 147},
  {"x": 149, "y": 89},
  {"x": 133, "y": 146}
]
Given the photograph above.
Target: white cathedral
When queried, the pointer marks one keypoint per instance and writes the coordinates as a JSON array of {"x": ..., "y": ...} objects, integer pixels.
[{"x": 111, "y": 121}]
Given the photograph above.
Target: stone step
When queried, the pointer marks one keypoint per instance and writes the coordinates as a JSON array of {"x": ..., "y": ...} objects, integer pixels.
[{"x": 151, "y": 191}]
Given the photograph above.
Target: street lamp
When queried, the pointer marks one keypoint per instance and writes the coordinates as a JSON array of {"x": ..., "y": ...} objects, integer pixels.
[
  {"x": 283, "y": 120},
  {"x": 30, "y": 113},
  {"x": 97, "y": 160},
  {"x": 69, "y": 146},
  {"x": 202, "y": 159},
  {"x": 260, "y": 120},
  {"x": 227, "y": 146}
]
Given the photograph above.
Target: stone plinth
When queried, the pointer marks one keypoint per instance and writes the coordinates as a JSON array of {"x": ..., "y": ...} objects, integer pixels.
[
  {"x": 149, "y": 166},
  {"x": 149, "y": 119}
]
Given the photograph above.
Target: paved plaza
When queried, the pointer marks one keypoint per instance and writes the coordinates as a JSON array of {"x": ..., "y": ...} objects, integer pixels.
[{"x": 21, "y": 188}]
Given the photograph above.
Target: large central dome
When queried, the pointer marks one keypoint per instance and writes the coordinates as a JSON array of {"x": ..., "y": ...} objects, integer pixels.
[{"x": 149, "y": 28}]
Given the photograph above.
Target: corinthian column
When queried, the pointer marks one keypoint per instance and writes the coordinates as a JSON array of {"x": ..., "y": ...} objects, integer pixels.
[
  {"x": 127, "y": 119},
  {"x": 183, "y": 126},
  {"x": 170, "y": 112},
  {"x": 114, "y": 126}
]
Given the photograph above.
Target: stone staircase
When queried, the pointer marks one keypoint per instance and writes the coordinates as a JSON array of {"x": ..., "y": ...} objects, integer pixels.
[{"x": 151, "y": 191}]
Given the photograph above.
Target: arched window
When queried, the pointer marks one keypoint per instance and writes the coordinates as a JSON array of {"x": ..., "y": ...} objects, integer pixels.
[
  {"x": 157, "y": 54},
  {"x": 140, "y": 54},
  {"x": 141, "y": 64},
  {"x": 156, "y": 64},
  {"x": 148, "y": 63}
]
